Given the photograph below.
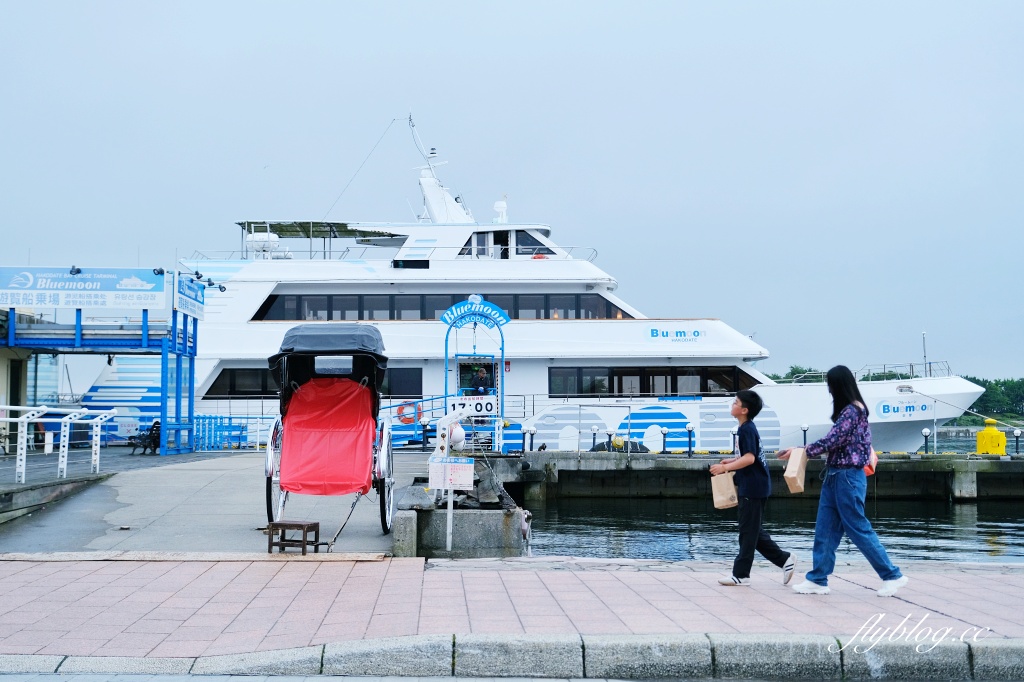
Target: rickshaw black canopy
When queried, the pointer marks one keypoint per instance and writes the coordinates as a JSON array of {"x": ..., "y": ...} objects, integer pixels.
[{"x": 294, "y": 365}]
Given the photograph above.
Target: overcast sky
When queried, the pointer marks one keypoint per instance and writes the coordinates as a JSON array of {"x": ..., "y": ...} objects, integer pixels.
[{"x": 832, "y": 178}]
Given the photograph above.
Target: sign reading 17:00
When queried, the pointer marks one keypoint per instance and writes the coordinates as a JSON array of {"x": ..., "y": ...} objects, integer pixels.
[{"x": 480, "y": 404}]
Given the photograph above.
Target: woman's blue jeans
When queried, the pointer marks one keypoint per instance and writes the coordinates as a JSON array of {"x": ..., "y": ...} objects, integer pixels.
[{"x": 841, "y": 510}]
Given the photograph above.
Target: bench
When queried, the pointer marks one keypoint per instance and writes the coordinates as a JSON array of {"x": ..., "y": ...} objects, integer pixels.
[{"x": 283, "y": 527}]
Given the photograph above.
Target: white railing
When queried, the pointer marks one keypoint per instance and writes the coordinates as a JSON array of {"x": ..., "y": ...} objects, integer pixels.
[
  {"x": 388, "y": 253},
  {"x": 883, "y": 372},
  {"x": 29, "y": 416}
]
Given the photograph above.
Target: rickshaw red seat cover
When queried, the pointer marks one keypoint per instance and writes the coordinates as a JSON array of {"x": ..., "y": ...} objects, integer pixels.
[{"x": 329, "y": 431}]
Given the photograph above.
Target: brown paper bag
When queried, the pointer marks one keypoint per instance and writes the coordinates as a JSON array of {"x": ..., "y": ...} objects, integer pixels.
[
  {"x": 724, "y": 490},
  {"x": 796, "y": 470}
]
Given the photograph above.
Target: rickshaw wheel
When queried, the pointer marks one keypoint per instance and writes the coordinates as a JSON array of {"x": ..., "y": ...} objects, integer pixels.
[
  {"x": 273, "y": 471},
  {"x": 386, "y": 483}
]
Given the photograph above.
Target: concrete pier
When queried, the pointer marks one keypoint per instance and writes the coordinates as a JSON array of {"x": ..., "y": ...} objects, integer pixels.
[{"x": 617, "y": 474}]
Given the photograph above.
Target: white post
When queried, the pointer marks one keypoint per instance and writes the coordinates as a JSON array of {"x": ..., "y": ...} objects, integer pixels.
[
  {"x": 48, "y": 443},
  {"x": 451, "y": 507},
  {"x": 23, "y": 422},
  {"x": 65, "y": 438}
]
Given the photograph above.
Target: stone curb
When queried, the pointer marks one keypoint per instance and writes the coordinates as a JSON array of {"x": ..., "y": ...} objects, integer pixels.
[
  {"x": 902, "y": 660},
  {"x": 29, "y": 663},
  {"x": 518, "y": 656},
  {"x": 639, "y": 657},
  {"x": 416, "y": 656},
  {"x": 303, "y": 661},
  {"x": 776, "y": 657},
  {"x": 126, "y": 665},
  {"x": 678, "y": 656},
  {"x": 136, "y": 555}
]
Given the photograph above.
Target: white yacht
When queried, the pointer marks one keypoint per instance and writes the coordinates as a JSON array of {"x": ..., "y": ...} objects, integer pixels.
[{"x": 580, "y": 366}]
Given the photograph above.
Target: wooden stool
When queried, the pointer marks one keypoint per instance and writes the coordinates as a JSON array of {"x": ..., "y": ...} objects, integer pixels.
[{"x": 306, "y": 527}]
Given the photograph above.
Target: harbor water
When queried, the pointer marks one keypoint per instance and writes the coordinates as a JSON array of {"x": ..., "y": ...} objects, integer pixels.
[{"x": 692, "y": 529}]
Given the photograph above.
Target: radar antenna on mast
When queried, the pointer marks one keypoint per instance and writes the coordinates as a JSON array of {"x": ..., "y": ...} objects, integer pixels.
[{"x": 428, "y": 156}]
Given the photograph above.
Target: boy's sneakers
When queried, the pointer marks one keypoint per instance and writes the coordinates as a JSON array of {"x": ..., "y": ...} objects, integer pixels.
[
  {"x": 889, "y": 587},
  {"x": 807, "y": 587},
  {"x": 732, "y": 581},
  {"x": 787, "y": 569}
]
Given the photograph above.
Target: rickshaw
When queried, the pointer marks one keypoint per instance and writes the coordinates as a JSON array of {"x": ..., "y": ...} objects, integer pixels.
[{"x": 331, "y": 438}]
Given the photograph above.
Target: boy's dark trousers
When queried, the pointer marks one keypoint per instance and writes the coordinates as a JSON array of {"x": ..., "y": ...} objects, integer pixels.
[{"x": 753, "y": 536}]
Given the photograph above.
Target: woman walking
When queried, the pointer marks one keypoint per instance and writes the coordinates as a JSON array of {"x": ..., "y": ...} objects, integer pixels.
[{"x": 841, "y": 505}]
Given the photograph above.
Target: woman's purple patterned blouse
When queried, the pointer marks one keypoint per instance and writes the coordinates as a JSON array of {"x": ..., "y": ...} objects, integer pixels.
[{"x": 848, "y": 443}]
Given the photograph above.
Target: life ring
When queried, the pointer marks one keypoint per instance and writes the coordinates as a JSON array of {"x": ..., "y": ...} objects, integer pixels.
[
  {"x": 407, "y": 419},
  {"x": 539, "y": 256}
]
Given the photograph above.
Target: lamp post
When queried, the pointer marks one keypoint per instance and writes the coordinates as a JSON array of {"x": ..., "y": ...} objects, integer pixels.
[
  {"x": 593, "y": 431},
  {"x": 524, "y": 430},
  {"x": 1016, "y": 441},
  {"x": 926, "y": 432},
  {"x": 424, "y": 422},
  {"x": 533, "y": 432},
  {"x": 689, "y": 437},
  {"x": 610, "y": 432},
  {"x": 735, "y": 442},
  {"x": 664, "y": 439},
  {"x": 804, "y": 427}
]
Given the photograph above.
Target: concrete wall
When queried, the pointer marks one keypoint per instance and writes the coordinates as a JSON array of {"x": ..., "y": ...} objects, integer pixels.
[
  {"x": 654, "y": 475},
  {"x": 475, "y": 533}
]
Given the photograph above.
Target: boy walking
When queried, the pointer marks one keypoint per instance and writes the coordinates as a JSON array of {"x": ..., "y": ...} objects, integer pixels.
[{"x": 753, "y": 487}]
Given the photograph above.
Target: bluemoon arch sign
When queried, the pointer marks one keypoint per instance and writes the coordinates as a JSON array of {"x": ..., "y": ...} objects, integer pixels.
[{"x": 475, "y": 309}]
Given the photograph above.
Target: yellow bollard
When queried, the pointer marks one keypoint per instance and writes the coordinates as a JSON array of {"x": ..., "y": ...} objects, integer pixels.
[{"x": 991, "y": 441}]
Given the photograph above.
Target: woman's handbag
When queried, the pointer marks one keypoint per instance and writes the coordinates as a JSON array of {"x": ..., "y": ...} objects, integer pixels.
[
  {"x": 723, "y": 490},
  {"x": 869, "y": 468}
]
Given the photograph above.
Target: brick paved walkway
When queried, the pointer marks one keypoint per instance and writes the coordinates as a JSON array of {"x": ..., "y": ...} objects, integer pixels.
[{"x": 202, "y": 608}]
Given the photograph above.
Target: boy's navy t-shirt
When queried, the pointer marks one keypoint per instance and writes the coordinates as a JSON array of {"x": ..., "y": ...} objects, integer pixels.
[{"x": 752, "y": 481}]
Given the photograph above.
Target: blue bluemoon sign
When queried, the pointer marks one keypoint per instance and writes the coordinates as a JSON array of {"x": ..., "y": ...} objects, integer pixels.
[{"x": 475, "y": 309}]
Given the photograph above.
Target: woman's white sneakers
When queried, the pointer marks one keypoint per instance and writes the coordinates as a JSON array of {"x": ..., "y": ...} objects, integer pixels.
[
  {"x": 787, "y": 569},
  {"x": 807, "y": 587},
  {"x": 889, "y": 587}
]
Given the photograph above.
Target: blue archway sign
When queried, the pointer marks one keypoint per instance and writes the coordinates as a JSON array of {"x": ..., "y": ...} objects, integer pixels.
[{"x": 476, "y": 311}]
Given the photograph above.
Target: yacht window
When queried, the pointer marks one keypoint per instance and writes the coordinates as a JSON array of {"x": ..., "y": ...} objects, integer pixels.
[
  {"x": 562, "y": 307},
  {"x": 563, "y": 382},
  {"x": 531, "y": 307},
  {"x": 221, "y": 386},
  {"x": 746, "y": 381},
  {"x": 242, "y": 383},
  {"x": 503, "y": 301},
  {"x": 279, "y": 308},
  {"x": 688, "y": 381},
  {"x": 344, "y": 307},
  {"x": 501, "y": 244},
  {"x": 528, "y": 245},
  {"x": 248, "y": 381},
  {"x": 595, "y": 380},
  {"x": 403, "y": 382},
  {"x": 314, "y": 308},
  {"x": 467, "y": 248},
  {"x": 376, "y": 307},
  {"x": 436, "y": 304},
  {"x": 407, "y": 308},
  {"x": 721, "y": 379},
  {"x": 660, "y": 381},
  {"x": 481, "y": 244},
  {"x": 593, "y": 307},
  {"x": 627, "y": 384}
]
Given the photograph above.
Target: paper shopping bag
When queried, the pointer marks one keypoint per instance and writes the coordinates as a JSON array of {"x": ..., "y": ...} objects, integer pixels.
[
  {"x": 724, "y": 490},
  {"x": 796, "y": 470}
]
